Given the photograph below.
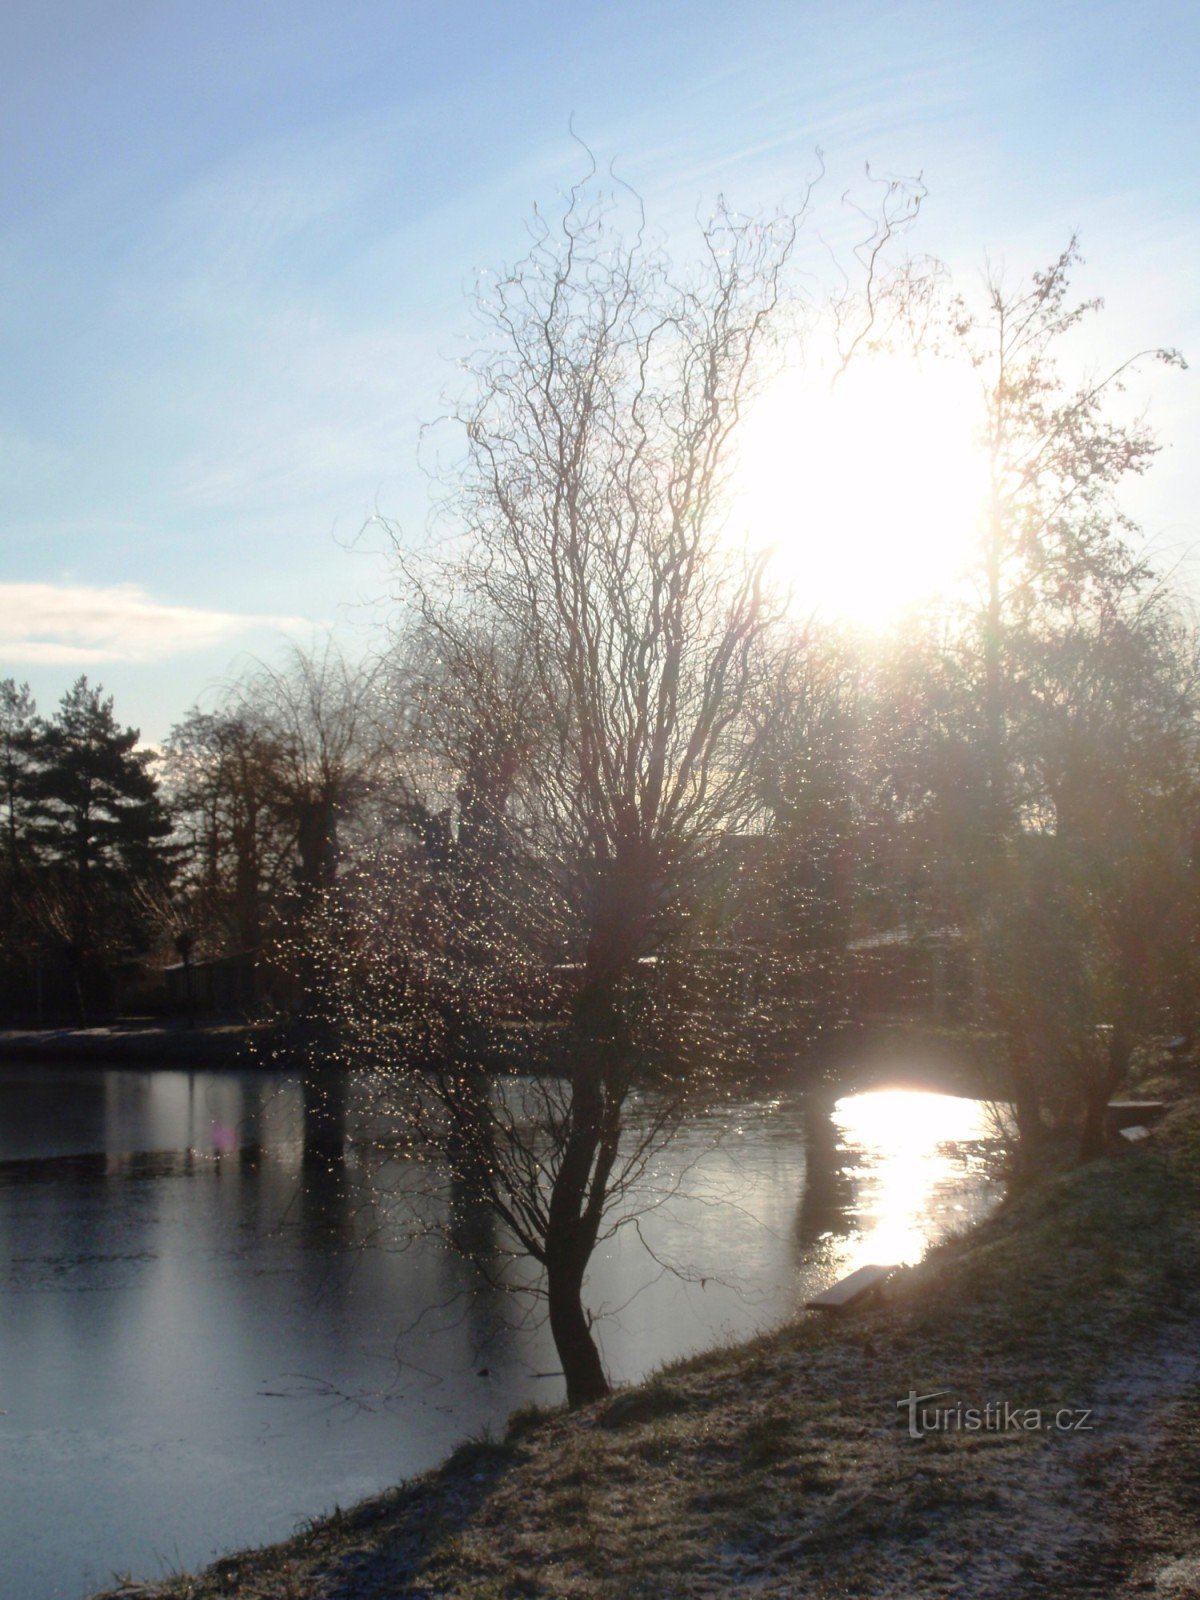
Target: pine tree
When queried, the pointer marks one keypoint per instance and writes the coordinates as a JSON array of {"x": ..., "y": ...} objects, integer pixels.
[
  {"x": 100, "y": 832},
  {"x": 17, "y": 734},
  {"x": 17, "y": 718}
]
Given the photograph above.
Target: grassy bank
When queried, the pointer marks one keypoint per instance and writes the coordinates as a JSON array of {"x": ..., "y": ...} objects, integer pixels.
[{"x": 786, "y": 1468}]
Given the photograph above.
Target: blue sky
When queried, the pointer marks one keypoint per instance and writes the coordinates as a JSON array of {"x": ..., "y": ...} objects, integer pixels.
[{"x": 236, "y": 243}]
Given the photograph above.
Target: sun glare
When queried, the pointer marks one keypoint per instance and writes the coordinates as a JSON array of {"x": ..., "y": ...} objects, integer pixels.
[
  {"x": 869, "y": 491},
  {"x": 913, "y": 1145}
]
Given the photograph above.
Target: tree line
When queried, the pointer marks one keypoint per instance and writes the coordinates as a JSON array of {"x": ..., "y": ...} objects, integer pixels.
[{"x": 601, "y": 779}]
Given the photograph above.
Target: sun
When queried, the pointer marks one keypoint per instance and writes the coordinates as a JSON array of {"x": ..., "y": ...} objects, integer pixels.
[{"x": 867, "y": 491}]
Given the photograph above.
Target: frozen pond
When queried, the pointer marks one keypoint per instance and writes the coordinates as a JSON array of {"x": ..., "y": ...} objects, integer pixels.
[{"x": 205, "y": 1342}]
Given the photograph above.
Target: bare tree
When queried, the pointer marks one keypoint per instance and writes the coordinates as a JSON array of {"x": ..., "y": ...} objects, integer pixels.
[
  {"x": 808, "y": 782},
  {"x": 263, "y": 790},
  {"x": 592, "y": 641},
  {"x": 1113, "y": 756},
  {"x": 320, "y": 719},
  {"x": 606, "y": 394},
  {"x": 321, "y": 714},
  {"x": 1056, "y": 545},
  {"x": 1057, "y": 456},
  {"x": 220, "y": 774}
]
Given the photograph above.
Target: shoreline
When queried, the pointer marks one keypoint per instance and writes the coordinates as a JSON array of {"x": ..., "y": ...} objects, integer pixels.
[
  {"x": 133, "y": 1043},
  {"x": 784, "y": 1466},
  {"x": 951, "y": 1058}
]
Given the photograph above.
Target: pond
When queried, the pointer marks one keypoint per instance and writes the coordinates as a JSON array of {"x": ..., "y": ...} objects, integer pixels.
[{"x": 204, "y": 1341}]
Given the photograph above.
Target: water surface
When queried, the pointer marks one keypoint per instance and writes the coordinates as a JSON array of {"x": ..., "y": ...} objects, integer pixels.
[{"x": 204, "y": 1340}]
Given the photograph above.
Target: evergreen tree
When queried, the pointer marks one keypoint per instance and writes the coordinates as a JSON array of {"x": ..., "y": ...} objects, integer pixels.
[
  {"x": 100, "y": 833},
  {"x": 17, "y": 736},
  {"x": 17, "y": 718}
]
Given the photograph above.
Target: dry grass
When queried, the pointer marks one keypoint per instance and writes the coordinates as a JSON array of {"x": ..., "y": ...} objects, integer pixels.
[{"x": 783, "y": 1468}]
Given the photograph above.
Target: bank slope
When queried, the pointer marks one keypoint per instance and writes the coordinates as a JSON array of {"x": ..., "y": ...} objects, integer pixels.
[{"x": 787, "y": 1467}]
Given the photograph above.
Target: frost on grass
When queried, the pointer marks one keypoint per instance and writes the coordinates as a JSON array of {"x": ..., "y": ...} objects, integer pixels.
[{"x": 784, "y": 1468}]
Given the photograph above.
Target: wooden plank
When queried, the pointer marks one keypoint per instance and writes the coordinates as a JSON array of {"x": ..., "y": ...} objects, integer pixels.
[
  {"x": 850, "y": 1290},
  {"x": 1135, "y": 1134}
]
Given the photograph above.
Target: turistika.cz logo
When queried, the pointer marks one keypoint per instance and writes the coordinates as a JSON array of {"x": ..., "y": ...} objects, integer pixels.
[{"x": 997, "y": 1416}]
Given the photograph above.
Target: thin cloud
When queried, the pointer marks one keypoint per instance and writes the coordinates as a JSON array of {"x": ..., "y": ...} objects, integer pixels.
[{"x": 84, "y": 625}]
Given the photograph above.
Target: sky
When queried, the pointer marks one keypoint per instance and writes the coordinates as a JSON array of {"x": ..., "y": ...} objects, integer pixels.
[{"x": 238, "y": 244}]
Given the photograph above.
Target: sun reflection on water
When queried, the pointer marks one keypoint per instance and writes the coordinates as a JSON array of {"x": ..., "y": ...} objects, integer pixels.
[{"x": 906, "y": 1151}]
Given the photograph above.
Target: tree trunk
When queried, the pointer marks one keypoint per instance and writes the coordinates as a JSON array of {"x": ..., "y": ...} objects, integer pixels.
[
  {"x": 579, "y": 1185},
  {"x": 581, "y": 1364},
  {"x": 324, "y": 1089},
  {"x": 994, "y": 698},
  {"x": 1092, "y": 1141},
  {"x": 1032, "y": 1130},
  {"x": 1109, "y": 1079}
]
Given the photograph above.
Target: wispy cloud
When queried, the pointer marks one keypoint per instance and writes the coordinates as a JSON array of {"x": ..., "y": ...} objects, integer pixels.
[{"x": 83, "y": 625}]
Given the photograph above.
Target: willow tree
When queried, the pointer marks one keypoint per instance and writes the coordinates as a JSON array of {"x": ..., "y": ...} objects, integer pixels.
[{"x": 589, "y": 506}]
